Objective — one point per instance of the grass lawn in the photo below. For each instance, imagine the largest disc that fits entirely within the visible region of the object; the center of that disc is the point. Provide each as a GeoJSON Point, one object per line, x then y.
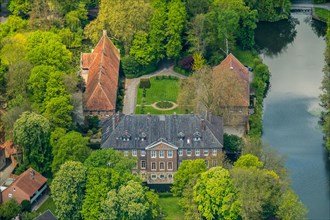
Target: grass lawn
{"type": "Point", "coordinates": [322, 13]}
{"type": "Point", "coordinates": [162, 89]}
{"type": "Point", "coordinates": [48, 204]}
{"type": "Point", "coordinates": [246, 57]}
{"type": "Point", "coordinates": [170, 206]}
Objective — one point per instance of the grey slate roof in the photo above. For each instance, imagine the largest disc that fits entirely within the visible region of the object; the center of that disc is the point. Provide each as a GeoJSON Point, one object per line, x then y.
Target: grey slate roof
{"type": "Point", "coordinates": [47, 215]}
{"type": "Point", "coordinates": [184, 131]}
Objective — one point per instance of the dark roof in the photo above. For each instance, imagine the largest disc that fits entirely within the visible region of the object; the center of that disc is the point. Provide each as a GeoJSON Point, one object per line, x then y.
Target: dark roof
{"type": "Point", "coordinates": [29, 182]}
{"type": "Point", "coordinates": [103, 72]}
{"type": "Point", "coordinates": [232, 65]}
{"type": "Point", "coordinates": [183, 131]}
{"type": "Point", "coordinates": [47, 215]}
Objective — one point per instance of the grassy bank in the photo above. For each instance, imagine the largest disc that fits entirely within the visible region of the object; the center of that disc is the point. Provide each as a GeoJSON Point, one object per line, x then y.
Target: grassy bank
{"type": "Point", "coordinates": [321, 14]}
{"type": "Point", "coordinates": [169, 206]}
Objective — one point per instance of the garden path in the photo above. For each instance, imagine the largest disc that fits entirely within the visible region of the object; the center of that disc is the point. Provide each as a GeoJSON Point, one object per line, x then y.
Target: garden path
{"type": "Point", "coordinates": [131, 87]}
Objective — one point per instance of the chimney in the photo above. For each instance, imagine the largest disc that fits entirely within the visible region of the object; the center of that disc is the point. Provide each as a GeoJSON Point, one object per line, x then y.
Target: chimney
{"type": "Point", "coordinates": [32, 174]}
{"type": "Point", "coordinates": [113, 122]}
{"type": "Point", "coordinates": [203, 126]}
{"type": "Point", "coordinates": [104, 32]}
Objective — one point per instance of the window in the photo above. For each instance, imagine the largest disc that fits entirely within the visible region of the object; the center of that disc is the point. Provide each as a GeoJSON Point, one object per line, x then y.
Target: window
{"type": "Point", "coordinates": [10, 195]}
{"type": "Point", "coordinates": [170, 166]}
{"type": "Point", "coordinates": [153, 176]}
{"type": "Point", "coordinates": [143, 164]}
{"type": "Point", "coordinates": [161, 154]}
{"type": "Point", "coordinates": [197, 152]}
{"type": "Point", "coordinates": [206, 152]}
{"type": "Point", "coordinates": [153, 166]}
{"type": "Point", "coordinates": [134, 153]}
{"type": "Point", "coordinates": [153, 154]}
{"type": "Point", "coordinates": [188, 152]}
{"type": "Point", "coordinates": [161, 176]}
{"type": "Point", "coordinates": [161, 166]}
{"type": "Point", "coordinates": [170, 176]}
{"type": "Point", "coordinates": [143, 153]}
{"type": "Point", "coordinates": [207, 163]}
{"type": "Point", "coordinates": [180, 152]}
{"type": "Point", "coordinates": [214, 152]}
{"type": "Point", "coordinates": [169, 154]}
{"type": "Point", "coordinates": [126, 153]}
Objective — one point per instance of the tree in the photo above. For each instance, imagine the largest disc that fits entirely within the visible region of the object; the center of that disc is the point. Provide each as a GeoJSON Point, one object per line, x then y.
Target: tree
{"type": "Point", "coordinates": [176, 20]}
{"type": "Point", "coordinates": [99, 182]}
{"type": "Point", "coordinates": [12, 25]}
{"type": "Point", "coordinates": [13, 49]}
{"type": "Point", "coordinates": [32, 131]}
{"type": "Point", "coordinates": [123, 18]}
{"type": "Point", "coordinates": [109, 158]}
{"type": "Point", "coordinates": [248, 161]}
{"type": "Point", "coordinates": [291, 207]}
{"type": "Point", "coordinates": [141, 50]}
{"type": "Point", "coordinates": [232, 143]}
{"type": "Point", "coordinates": [198, 61]}
{"type": "Point", "coordinates": [9, 210]}
{"type": "Point", "coordinates": [37, 84]}
{"type": "Point", "coordinates": [45, 48]}
{"type": "Point", "coordinates": [216, 196]}
{"type": "Point", "coordinates": [19, 7]}
{"type": "Point", "coordinates": [58, 110]}
{"type": "Point", "coordinates": [71, 146]}
{"type": "Point", "coordinates": [197, 7]}
{"type": "Point", "coordinates": [128, 203]}
{"type": "Point", "coordinates": [187, 170]}
{"type": "Point", "coordinates": [197, 34]}
{"type": "Point", "coordinates": [68, 189]}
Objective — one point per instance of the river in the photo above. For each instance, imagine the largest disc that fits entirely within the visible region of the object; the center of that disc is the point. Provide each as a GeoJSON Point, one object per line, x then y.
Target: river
{"type": "Point", "coordinates": [293, 51]}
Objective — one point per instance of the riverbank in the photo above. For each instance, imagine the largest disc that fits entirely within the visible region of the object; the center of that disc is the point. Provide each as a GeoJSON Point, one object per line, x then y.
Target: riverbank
{"type": "Point", "coordinates": [321, 14]}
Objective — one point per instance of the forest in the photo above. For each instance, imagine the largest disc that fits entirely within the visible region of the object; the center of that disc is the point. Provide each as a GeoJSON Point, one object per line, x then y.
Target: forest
{"type": "Point", "coordinates": [41, 90]}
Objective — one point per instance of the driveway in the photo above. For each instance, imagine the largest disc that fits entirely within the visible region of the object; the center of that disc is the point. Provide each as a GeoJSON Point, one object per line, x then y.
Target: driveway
{"type": "Point", "coordinates": [131, 87]}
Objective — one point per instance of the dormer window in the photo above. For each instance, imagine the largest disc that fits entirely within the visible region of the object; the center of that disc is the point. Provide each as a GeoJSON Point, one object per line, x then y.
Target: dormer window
{"type": "Point", "coordinates": [197, 136]}
{"type": "Point", "coordinates": [142, 136]}
{"type": "Point", "coordinates": [126, 136]}
{"type": "Point", "coordinates": [181, 136]}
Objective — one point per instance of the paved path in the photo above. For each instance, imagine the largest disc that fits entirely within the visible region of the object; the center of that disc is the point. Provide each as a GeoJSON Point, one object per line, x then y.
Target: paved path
{"type": "Point", "coordinates": [131, 87]}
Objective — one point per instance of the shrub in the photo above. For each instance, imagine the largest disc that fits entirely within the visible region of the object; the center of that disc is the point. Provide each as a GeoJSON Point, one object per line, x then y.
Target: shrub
{"type": "Point", "coordinates": [145, 83]}
{"type": "Point", "coordinates": [186, 63]}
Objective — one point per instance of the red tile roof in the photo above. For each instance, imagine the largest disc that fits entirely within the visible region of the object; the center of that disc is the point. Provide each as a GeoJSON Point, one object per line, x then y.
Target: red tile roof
{"type": "Point", "coordinates": [30, 181]}
{"type": "Point", "coordinates": [232, 65]}
{"type": "Point", "coordinates": [103, 72]}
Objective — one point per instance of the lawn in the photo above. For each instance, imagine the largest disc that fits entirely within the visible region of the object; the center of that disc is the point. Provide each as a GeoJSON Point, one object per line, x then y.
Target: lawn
{"type": "Point", "coordinates": [162, 88]}
{"type": "Point", "coordinates": [48, 204]}
{"type": "Point", "coordinates": [322, 14]}
{"type": "Point", "coordinates": [170, 207]}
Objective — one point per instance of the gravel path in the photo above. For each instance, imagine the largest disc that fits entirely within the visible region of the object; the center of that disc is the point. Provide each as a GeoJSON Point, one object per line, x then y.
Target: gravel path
{"type": "Point", "coordinates": [131, 86]}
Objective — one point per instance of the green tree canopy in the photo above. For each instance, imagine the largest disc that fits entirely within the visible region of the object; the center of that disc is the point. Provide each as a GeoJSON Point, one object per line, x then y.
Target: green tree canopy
{"type": "Point", "coordinates": [187, 170]}
{"type": "Point", "coordinates": [45, 48]}
{"type": "Point", "coordinates": [68, 189]}
{"type": "Point", "coordinates": [71, 146]}
{"type": "Point", "coordinates": [9, 210]}
{"type": "Point", "coordinates": [216, 196]}
{"type": "Point", "coordinates": [32, 131]}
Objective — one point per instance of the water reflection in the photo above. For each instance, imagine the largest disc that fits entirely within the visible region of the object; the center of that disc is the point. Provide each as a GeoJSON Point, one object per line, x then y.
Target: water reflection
{"type": "Point", "coordinates": [273, 38]}
{"type": "Point", "coordinates": [319, 28]}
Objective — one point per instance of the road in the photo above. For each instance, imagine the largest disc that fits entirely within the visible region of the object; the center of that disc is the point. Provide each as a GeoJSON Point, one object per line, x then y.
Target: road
{"type": "Point", "coordinates": [131, 87]}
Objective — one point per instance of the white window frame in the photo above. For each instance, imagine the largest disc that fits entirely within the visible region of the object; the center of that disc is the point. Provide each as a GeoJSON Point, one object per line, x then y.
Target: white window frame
{"type": "Point", "coordinates": [188, 154]}
{"type": "Point", "coordinates": [145, 164]}
{"type": "Point", "coordinates": [168, 167]}
{"type": "Point", "coordinates": [153, 154]}
{"type": "Point", "coordinates": [197, 152]}
{"type": "Point", "coordinates": [155, 165]}
{"type": "Point", "coordinates": [134, 152]}
{"type": "Point", "coordinates": [170, 176]}
{"type": "Point", "coordinates": [169, 154]}
{"type": "Point", "coordinates": [214, 152]}
{"type": "Point", "coordinates": [180, 152]}
{"type": "Point", "coordinates": [206, 152]}
{"type": "Point", "coordinates": [160, 168]}
{"type": "Point", "coordinates": [126, 153]}
{"type": "Point", "coordinates": [143, 153]}
{"type": "Point", "coordinates": [161, 154]}
{"type": "Point", "coordinates": [160, 176]}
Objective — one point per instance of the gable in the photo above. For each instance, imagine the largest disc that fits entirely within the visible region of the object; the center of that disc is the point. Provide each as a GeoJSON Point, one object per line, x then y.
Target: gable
{"type": "Point", "coordinates": [161, 145]}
